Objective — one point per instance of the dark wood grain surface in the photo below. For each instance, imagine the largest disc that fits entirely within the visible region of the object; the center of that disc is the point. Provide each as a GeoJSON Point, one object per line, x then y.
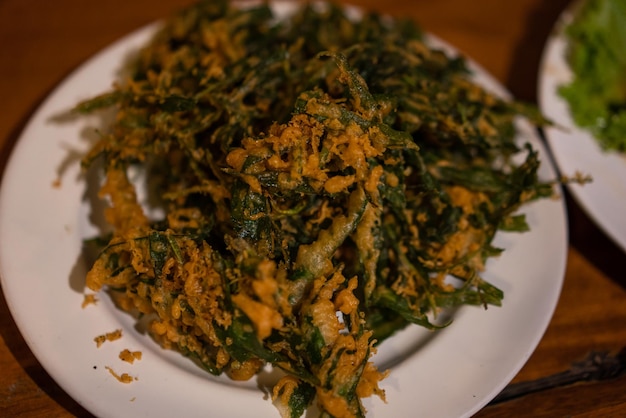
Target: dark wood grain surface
{"type": "Point", "coordinates": [42, 41]}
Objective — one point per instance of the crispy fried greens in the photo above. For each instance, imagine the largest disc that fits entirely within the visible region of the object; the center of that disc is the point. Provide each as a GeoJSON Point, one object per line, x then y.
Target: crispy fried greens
{"type": "Point", "coordinates": [320, 178]}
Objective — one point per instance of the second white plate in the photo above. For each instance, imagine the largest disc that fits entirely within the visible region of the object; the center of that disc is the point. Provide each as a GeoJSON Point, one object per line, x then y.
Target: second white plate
{"type": "Point", "coordinates": [576, 150]}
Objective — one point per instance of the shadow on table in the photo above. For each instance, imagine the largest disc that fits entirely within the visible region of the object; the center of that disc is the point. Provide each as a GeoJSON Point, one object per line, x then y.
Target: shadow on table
{"type": "Point", "coordinates": [522, 80]}
{"type": "Point", "coordinates": [596, 246]}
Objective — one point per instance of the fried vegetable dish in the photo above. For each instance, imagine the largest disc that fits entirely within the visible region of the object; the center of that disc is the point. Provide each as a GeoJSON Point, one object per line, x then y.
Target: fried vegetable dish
{"type": "Point", "coordinates": [324, 182]}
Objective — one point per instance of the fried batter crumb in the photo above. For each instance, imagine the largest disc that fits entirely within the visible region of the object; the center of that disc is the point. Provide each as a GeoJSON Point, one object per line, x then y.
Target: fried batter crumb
{"type": "Point", "coordinates": [130, 356]}
{"type": "Point", "coordinates": [90, 299]}
{"type": "Point", "coordinates": [109, 336]}
{"type": "Point", "coordinates": [123, 378]}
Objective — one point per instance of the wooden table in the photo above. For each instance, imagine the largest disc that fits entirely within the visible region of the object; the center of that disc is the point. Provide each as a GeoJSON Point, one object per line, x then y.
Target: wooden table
{"type": "Point", "coordinates": [41, 41]}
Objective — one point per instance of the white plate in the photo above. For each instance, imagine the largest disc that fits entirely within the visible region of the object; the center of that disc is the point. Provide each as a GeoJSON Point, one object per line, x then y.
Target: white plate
{"type": "Point", "coordinates": [452, 373]}
{"type": "Point", "coordinates": [576, 150]}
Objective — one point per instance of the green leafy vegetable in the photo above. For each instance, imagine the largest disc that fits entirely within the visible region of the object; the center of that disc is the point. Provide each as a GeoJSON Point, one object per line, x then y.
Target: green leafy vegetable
{"type": "Point", "coordinates": [597, 56]}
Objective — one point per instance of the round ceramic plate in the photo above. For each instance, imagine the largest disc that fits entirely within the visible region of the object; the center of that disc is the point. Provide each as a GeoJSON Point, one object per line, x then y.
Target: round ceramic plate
{"type": "Point", "coordinates": [576, 150]}
{"type": "Point", "coordinates": [46, 212]}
